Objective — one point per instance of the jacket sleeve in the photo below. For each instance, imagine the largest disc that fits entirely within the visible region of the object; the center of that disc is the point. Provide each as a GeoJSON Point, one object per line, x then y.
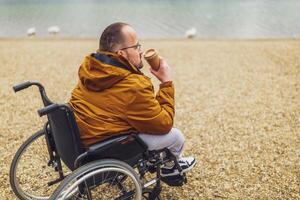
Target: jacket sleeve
{"type": "Point", "coordinates": [149, 113]}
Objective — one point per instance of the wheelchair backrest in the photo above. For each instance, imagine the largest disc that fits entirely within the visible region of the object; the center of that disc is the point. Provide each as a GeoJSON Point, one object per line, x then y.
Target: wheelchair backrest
{"type": "Point", "coordinates": [65, 134]}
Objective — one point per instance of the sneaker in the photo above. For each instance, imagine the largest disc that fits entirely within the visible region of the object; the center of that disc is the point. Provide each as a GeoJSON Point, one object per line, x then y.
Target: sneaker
{"type": "Point", "coordinates": [186, 163]}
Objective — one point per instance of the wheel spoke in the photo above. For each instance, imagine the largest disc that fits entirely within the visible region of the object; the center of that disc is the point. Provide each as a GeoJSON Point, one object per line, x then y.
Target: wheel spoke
{"type": "Point", "coordinates": [102, 180]}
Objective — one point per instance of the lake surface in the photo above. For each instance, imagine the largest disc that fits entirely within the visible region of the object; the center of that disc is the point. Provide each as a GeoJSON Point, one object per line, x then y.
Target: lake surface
{"type": "Point", "coordinates": [154, 19]}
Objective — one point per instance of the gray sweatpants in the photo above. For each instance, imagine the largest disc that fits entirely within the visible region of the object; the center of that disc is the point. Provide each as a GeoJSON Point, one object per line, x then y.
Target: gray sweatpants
{"type": "Point", "coordinates": [174, 141]}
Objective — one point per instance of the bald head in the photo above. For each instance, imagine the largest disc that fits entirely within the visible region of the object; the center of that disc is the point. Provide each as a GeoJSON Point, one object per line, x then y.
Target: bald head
{"type": "Point", "coordinates": [113, 37]}
{"type": "Point", "coordinates": [121, 38]}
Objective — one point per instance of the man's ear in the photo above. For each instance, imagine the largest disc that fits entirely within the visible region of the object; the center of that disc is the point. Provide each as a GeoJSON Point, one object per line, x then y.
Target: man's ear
{"type": "Point", "coordinates": [119, 52]}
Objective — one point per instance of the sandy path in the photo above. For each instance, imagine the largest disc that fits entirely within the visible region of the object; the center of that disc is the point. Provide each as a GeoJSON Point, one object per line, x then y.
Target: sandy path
{"type": "Point", "coordinates": [238, 103]}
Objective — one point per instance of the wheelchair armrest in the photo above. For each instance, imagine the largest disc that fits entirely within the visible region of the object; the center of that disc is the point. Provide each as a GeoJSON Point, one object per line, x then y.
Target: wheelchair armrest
{"type": "Point", "coordinates": [120, 147]}
{"type": "Point", "coordinates": [115, 139]}
{"type": "Point", "coordinates": [95, 147]}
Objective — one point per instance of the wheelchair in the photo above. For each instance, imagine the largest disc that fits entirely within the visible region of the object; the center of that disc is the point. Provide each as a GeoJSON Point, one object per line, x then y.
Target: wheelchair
{"type": "Point", "coordinates": [120, 167]}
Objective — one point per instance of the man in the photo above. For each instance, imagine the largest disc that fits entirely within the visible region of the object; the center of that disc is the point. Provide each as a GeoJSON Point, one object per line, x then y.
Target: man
{"type": "Point", "coordinates": [114, 97]}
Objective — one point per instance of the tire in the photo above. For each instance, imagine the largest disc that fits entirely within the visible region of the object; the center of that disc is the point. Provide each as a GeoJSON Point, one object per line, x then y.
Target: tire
{"type": "Point", "coordinates": [29, 172]}
{"type": "Point", "coordinates": [102, 179]}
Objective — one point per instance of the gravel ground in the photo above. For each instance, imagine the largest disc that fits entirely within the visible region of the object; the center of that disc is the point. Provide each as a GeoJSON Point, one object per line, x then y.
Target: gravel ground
{"type": "Point", "coordinates": [237, 102]}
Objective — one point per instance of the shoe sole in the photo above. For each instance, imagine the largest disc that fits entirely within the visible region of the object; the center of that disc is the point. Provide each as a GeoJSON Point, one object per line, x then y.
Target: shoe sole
{"type": "Point", "coordinates": [177, 172]}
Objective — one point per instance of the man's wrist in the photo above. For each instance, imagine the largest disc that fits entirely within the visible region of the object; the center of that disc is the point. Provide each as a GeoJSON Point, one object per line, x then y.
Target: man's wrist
{"type": "Point", "coordinates": [167, 83]}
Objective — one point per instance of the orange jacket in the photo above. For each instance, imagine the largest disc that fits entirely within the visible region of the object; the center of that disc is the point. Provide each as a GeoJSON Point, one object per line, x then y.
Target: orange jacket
{"type": "Point", "coordinates": [110, 100]}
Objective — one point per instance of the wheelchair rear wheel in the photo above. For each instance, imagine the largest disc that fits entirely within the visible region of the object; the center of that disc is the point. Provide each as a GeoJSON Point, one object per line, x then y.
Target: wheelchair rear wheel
{"type": "Point", "coordinates": [29, 171]}
{"type": "Point", "coordinates": [102, 179]}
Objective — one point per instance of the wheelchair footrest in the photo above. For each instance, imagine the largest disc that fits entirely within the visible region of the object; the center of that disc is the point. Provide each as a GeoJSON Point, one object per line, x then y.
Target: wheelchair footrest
{"type": "Point", "coordinates": [177, 180]}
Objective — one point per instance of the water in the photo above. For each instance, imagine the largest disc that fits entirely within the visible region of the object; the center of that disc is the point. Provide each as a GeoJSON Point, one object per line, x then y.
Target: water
{"type": "Point", "coordinates": [154, 19]}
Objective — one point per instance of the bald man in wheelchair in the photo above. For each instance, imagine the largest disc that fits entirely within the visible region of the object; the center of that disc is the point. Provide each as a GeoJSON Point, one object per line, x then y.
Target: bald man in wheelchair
{"type": "Point", "coordinates": [114, 97]}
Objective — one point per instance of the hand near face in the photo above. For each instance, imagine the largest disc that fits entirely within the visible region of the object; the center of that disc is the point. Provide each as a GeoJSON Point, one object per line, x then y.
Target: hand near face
{"type": "Point", "coordinates": [163, 73]}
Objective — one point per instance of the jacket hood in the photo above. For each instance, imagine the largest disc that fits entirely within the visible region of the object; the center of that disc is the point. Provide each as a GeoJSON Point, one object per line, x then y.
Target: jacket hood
{"type": "Point", "coordinates": [102, 70]}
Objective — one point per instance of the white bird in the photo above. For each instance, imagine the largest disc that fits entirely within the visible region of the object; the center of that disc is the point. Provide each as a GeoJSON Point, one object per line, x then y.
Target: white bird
{"type": "Point", "coordinates": [191, 33]}
{"type": "Point", "coordinates": [53, 30]}
{"type": "Point", "coordinates": [31, 31]}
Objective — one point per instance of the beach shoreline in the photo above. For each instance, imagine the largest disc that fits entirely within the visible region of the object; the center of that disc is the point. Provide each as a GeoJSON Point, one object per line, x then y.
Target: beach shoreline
{"type": "Point", "coordinates": [62, 38]}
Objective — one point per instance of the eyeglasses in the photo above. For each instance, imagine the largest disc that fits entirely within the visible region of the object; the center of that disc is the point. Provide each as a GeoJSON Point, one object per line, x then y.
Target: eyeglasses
{"type": "Point", "coordinates": [136, 47]}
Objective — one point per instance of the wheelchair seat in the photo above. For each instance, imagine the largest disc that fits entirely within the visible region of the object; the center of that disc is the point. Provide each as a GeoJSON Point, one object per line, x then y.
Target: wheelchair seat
{"type": "Point", "coordinates": [127, 147]}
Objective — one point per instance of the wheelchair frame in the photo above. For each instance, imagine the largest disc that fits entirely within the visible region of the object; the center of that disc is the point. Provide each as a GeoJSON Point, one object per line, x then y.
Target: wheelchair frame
{"type": "Point", "coordinates": [147, 161]}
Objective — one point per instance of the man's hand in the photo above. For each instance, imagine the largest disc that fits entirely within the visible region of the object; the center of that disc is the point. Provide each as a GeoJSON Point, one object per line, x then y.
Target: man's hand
{"type": "Point", "coordinates": [163, 73]}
